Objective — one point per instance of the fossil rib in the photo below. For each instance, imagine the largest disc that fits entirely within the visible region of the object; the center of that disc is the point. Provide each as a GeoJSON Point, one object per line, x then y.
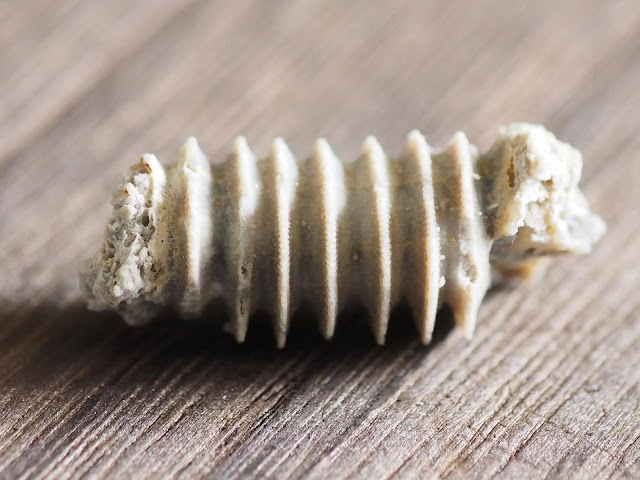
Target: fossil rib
{"type": "Point", "coordinates": [421, 228]}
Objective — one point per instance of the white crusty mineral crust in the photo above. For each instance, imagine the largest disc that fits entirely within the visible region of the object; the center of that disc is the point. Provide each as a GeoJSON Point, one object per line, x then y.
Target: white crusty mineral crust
{"type": "Point", "coordinates": [536, 205]}
{"type": "Point", "coordinates": [421, 229]}
{"type": "Point", "coordinates": [124, 270]}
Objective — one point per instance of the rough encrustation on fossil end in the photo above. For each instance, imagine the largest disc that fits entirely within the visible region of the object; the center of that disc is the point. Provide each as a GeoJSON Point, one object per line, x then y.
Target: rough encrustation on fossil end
{"type": "Point", "coordinates": [421, 228]}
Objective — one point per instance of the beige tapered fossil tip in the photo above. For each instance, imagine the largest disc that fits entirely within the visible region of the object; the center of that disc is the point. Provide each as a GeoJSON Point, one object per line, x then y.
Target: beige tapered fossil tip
{"type": "Point", "coordinates": [422, 228]}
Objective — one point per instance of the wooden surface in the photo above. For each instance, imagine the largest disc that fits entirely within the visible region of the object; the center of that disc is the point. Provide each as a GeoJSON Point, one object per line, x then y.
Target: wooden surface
{"type": "Point", "coordinates": [549, 385]}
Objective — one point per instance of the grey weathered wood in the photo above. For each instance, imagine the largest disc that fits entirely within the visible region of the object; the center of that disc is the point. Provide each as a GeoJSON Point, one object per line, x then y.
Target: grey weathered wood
{"type": "Point", "coordinates": [549, 386]}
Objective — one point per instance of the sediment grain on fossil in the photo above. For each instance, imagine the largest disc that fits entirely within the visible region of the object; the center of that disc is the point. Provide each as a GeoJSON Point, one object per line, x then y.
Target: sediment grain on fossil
{"type": "Point", "coordinates": [422, 228]}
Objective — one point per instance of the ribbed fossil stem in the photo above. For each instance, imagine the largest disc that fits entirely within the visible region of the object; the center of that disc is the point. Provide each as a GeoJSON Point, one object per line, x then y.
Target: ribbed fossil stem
{"type": "Point", "coordinates": [324, 247]}
{"type": "Point", "coordinates": [237, 213]}
{"type": "Point", "coordinates": [420, 269]}
{"type": "Point", "coordinates": [268, 234]}
{"type": "Point", "coordinates": [467, 254]}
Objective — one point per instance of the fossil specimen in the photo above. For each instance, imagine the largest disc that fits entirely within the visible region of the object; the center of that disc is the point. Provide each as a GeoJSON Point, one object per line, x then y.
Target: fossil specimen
{"type": "Point", "coordinates": [422, 228]}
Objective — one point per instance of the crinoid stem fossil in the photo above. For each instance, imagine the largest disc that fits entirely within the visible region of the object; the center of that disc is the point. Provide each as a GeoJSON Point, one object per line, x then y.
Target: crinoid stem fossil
{"type": "Point", "coordinates": [422, 228]}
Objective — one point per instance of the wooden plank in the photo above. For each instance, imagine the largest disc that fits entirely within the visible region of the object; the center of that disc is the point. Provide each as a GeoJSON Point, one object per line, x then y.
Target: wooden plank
{"type": "Point", "coordinates": [54, 52]}
{"type": "Point", "coordinates": [547, 387]}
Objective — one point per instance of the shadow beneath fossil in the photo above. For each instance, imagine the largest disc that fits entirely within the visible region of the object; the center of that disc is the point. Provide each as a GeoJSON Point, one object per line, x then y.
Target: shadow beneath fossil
{"type": "Point", "coordinates": [67, 372]}
{"type": "Point", "coordinates": [39, 343]}
{"type": "Point", "coordinates": [50, 339]}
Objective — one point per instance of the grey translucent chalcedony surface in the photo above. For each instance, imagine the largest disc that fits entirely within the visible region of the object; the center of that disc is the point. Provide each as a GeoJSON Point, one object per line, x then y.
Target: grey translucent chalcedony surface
{"type": "Point", "coordinates": [422, 228]}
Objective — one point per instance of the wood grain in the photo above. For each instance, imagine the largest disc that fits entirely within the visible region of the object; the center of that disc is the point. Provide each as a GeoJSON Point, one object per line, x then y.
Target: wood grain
{"type": "Point", "coordinates": [549, 385]}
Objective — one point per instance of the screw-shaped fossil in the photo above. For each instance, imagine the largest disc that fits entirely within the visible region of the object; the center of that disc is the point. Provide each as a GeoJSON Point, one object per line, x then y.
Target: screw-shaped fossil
{"type": "Point", "coordinates": [421, 228]}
